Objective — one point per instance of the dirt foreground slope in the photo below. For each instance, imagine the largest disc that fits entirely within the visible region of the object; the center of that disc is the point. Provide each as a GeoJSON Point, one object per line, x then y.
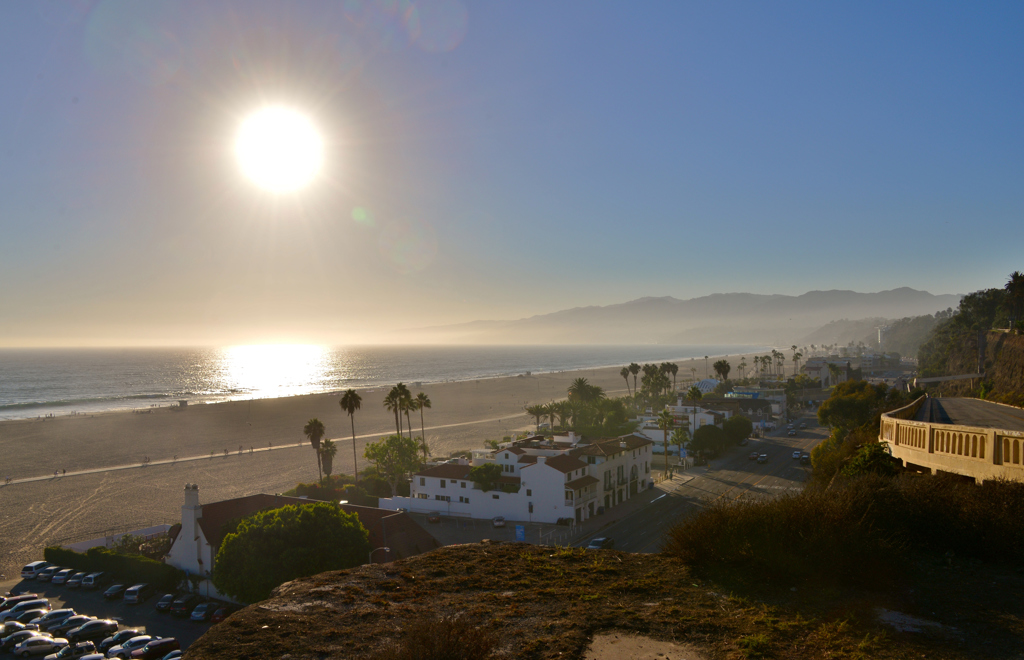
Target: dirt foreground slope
{"type": "Point", "coordinates": [546, 602]}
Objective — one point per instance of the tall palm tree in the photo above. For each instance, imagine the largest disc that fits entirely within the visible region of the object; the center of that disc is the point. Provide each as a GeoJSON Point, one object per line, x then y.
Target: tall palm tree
{"type": "Point", "coordinates": [422, 401]}
{"type": "Point", "coordinates": [350, 402]}
{"type": "Point", "coordinates": [679, 438]}
{"type": "Point", "coordinates": [673, 369]}
{"type": "Point", "coordinates": [796, 362]}
{"type": "Point", "coordinates": [665, 423]}
{"type": "Point", "coordinates": [393, 404]}
{"type": "Point", "coordinates": [694, 395]}
{"type": "Point", "coordinates": [624, 372]}
{"type": "Point", "coordinates": [314, 430]}
{"type": "Point", "coordinates": [743, 368]}
{"type": "Point", "coordinates": [1015, 297]}
{"type": "Point", "coordinates": [328, 450]}
{"type": "Point", "coordinates": [634, 369]}
{"type": "Point", "coordinates": [795, 358]}
{"type": "Point", "coordinates": [551, 410]}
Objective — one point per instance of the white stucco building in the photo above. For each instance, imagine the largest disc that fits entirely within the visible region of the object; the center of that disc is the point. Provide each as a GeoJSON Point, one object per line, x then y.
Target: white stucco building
{"type": "Point", "coordinates": [542, 480]}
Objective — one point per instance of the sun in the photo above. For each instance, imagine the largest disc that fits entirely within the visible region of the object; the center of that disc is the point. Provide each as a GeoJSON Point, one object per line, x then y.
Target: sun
{"type": "Point", "coordinates": [279, 149]}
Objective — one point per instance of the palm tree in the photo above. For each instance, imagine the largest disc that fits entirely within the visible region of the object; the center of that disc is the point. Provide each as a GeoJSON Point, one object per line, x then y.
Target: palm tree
{"type": "Point", "coordinates": [538, 411]}
{"type": "Point", "coordinates": [314, 430]}
{"type": "Point", "coordinates": [551, 410]}
{"type": "Point", "coordinates": [694, 395]}
{"type": "Point", "coordinates": [743, 368]}
{"type": "Point", "coordinates": [679, 438]}
{"type": "Point", "coordinates": [624, 372]}
{"type": "Point", "coordinates": [722, 368]}
{"type": "Point", "coordinates": [673, 369]}
{"type": "Point", "coordinates": [393, 403]}
{"type": "Point", "coordinates": [795, 358]}
{"type": "Point", "coordinates": [665, 423]}
{"type": "Point", "coordinates": [327, 452]}
{"type": "Point", "coordinates": [350, 402]}
{"type": "Point", "coordinates": [420, 402]}
{"type": "Point", "coordinates": [634, 369]}
{"type": "Point", "coordinates": [796, 362]}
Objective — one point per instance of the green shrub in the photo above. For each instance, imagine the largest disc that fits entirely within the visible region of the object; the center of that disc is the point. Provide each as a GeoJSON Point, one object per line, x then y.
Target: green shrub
{"type": "Point", "coordinates": [129, 568]}
{"type": "Point", "coordinates": [861, 530]}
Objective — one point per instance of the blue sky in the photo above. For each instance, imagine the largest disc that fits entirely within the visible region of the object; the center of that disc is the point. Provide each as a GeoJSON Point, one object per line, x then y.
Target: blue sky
{"type": "Point", "coordinates": [492, 160]}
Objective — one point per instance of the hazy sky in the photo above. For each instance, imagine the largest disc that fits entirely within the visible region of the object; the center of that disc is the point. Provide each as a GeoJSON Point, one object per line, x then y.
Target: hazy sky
{"type": "Point", "coordinates": [489, 160]}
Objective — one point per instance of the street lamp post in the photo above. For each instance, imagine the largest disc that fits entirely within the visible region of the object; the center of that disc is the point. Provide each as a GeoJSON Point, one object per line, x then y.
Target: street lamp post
{"type": "Point", "coordinates": [375, 550]}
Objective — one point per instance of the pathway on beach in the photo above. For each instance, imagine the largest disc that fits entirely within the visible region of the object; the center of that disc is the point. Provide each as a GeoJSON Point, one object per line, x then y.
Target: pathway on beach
{"type": "Point", "coordinates": [211, 456]}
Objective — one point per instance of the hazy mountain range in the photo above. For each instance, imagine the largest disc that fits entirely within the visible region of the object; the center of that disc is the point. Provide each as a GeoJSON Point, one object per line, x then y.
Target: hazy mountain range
{"type": "Point", "coordinates": [723, 318]}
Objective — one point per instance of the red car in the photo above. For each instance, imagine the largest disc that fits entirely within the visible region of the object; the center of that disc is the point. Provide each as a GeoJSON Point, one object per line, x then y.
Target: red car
{"type": "Point", "coordinates": [156, 648]}
{"type": "Point", "coordinates": [221, 614]}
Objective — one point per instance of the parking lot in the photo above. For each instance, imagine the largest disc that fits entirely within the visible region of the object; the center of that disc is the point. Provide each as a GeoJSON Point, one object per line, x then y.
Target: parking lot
{"type": "Point", "coordinates": [91, 602]}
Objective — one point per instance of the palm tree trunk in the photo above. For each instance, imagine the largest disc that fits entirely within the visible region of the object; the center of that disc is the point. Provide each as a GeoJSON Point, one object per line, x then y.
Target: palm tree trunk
{"type": "Point", "coordinates": [423, 435]}
{"type": "Point", "coordinates": [355, 461]}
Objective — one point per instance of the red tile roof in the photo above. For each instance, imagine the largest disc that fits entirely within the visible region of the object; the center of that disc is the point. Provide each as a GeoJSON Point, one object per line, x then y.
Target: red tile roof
{"type": "Point", "coordinates": [582, 482]}
{"type": "Point", "coordinates": [565, 463]}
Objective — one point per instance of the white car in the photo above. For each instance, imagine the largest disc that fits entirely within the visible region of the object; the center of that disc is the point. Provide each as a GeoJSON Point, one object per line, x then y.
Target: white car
{"type": "Point", "coordinates": [39, 646]}
{"type": "Point", "coordinates": [498, 521]}
{"type": "Point", "coordinates": [124, 651]}
{"type": "Point", "coordinates": [796, 455]}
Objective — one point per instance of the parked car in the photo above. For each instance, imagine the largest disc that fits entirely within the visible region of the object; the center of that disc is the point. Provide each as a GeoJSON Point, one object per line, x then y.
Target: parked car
{"type": "Point", "coordinates": [805, 459]}
{"type": "Point", "coordinates": [61, 576]}
{"type": "Point", "coordinates": [17, 637]}
{"type": "Point", "coordinates": [434, 517]}
{"type": "Point", "coordinates": [118, 638]}
{"type": "Point", "coordinates": [28, 616]}
{"type": "Point", "coordinates": [498, 521]}
{"type": "Point", "coordinates": [173, 655]}
{"type": "Point", "coordinates": [12, 627]}
{"type": "Point", "coordinates": [97, 580]}
{"type": "Point", "coordinates": [39, 646]}
{"type": "Point", "coordinates": [93, 631]}
{"type": "Point", "coordinates": [54, 617]}
{"type": "Point", "coordinates": [601, 543]}
{"type": "Point", "coordinates": [47, 573]}
{"type": "Point", "coordinates": [11, 601]}
{"type": "Point", "coordinates": [221, 614]}
{"type": "Point", "coordinates": [73, 650]}
{"type": "Point", "coordinates": [796, 455]}
{"type": "Point", "coordinates": [803, 425]}
{"type": "Point", "coordinates": [156, 649]}
{"type": "Point", "coordinates": [138, 594]}
{"type": "Point", "coordinates": [32, 571]}
{"type": "Point", "coordinates": [753, 456]}
{"type": "Point", "coordinates": [70, 623]}
{"type": "Point", "coordinates": [165, 602]}
{"type": "Point", "coordinates": [763, 458]}
{"type": "Point", "coordinates": [75, 580]}
{"type": "Point", "coordinates": [115, 591]}
{"type": "Point", "coordinates": [184, 604]}
{"type": "Point", "coordinates": [203, 611]}
{"type": "Point", "coordinates": [124, 651]}
{"type": "Point", "coordinates": [25, 606]}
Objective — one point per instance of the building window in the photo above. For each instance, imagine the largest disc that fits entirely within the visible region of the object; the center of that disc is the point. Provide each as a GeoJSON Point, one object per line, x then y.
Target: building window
{"type": "Point", "coordinates": [531, 507]}
{"type": "Point", "coordinates": [506, 456]}
{"type": "Point", "coordinates": [464, 500]}
{"type": "Point", "coordinates": [568, 495]}
{"type": "Point", "coordinates": [442, 483]}
{"type": "Point", "coordinates": [463, 484]}
{"type": "Point", "coordinates": [423, 481]}
{"type": "Point", "coordinates": [494, 497]}
{"type": "Point", "coordinates": [529, 493]}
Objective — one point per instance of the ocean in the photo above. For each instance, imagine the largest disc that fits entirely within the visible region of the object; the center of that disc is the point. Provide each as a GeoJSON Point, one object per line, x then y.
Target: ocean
{"type": "Point", "coordinates": [39, 382]}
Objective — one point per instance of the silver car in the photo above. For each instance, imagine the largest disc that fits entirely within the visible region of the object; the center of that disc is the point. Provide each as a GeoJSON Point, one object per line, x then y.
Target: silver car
{"type": "Point", "coordinates": [39, 646]}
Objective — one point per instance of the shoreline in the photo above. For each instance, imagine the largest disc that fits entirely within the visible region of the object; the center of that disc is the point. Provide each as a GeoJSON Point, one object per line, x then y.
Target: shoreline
{"type": "Point", "coordinates": [56, 409]}
{"type": "Point", "coordinates": [106, 488]}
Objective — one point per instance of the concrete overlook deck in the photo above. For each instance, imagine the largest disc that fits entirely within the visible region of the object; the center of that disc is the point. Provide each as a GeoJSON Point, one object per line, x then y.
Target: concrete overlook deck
{"type": "Point", "coordinates": [969, 437]}
{"type": "Point", "coordinates": [970, 412]}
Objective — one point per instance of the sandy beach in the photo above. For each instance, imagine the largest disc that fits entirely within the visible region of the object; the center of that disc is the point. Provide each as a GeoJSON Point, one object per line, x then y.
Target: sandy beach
{"type": "Point", "coordinates": [108, 490]}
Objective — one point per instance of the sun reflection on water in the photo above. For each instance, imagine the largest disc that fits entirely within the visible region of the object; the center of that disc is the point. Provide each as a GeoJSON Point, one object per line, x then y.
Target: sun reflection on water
{"type": "Point", "coordinates": [274, 370]}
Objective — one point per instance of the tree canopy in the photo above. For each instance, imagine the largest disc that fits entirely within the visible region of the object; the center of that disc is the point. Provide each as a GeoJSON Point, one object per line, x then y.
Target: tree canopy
{"type": "Point", "coordinates": [708, 439]}
{"type": "Point", "coordinates": [737, 428]}
{"type": "Point", "coordinates": [394, 457]}
{"type": "Point", "coordinates": [486, 476]}
{"type": "Point", "coordinates": [272, 547]}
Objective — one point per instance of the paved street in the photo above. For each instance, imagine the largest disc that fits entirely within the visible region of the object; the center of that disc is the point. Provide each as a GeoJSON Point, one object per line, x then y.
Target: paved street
{"type": "Point", "coordinates": [638, 524]}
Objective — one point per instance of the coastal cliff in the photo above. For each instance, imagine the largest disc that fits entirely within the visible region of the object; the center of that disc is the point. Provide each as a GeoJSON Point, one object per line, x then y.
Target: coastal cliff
{"type": "Point", "coordinates": [1003, 364]}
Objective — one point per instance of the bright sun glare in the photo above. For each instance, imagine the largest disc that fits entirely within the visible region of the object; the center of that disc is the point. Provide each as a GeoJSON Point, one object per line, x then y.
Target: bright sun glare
{"type": "Point", "coordinates": [279, 149]}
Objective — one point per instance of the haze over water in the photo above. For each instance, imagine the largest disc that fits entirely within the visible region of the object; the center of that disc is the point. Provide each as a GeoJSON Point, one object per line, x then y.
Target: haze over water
{"type": "Point", "coordinates": [36, 382]}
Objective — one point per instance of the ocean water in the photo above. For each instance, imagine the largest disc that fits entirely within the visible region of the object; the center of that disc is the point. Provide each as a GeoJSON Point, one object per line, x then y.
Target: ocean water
{"type": "Point", "coordinates": [36, 382]}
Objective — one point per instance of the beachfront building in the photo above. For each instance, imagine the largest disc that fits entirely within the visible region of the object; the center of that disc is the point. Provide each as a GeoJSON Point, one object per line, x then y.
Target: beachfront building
{"type": "Point", "coordinates": [543, 480]}
{"type": "Point", "coordinates": [194, 548]}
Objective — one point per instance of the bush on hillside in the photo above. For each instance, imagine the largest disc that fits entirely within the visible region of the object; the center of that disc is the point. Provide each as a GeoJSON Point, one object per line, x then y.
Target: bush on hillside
{"type": "Point", "coordinates": [862, 530]}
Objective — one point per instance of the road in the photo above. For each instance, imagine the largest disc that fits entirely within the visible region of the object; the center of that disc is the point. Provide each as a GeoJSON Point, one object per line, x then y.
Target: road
{"type": "Point", "coordinates": [730, 478]}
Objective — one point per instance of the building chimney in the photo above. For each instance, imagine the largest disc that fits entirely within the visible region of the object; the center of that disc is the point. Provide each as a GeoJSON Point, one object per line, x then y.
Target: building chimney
{"type": "Point", "coordinates": [191, 495]}
{"type": "Point", "coordinates": [541, 460]}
